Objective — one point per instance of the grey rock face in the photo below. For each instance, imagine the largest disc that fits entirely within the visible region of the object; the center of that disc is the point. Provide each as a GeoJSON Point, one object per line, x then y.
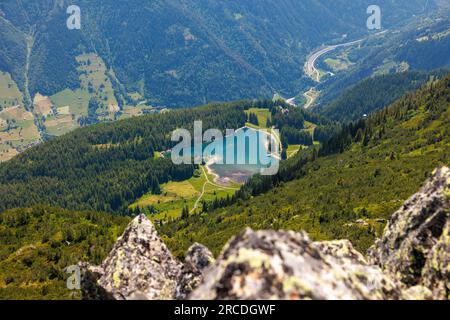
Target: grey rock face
{"type": "Point", "coordinates": [198, 259]}
{"type": "Point", "coordinates": [341, 249]}
{"type": "Point", "coordinates": [139, 267]}
{"type": "Point", "coordinates": [288, 265]}
{"type": "Point", "coordinates": [90, 288]}
{"type": "Point", "coordinates": [415, 247]}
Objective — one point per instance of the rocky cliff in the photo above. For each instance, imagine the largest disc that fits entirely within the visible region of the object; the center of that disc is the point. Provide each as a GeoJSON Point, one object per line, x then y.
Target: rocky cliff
{"type": "Point", "coordinates": [410, 261]}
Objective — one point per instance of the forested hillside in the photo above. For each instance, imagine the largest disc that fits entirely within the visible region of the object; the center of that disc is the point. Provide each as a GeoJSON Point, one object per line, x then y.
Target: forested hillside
{"type": "Point", "coordinates": [373, 94]}
{"type": "Point", "coordinates": [349, 189]}
{"type": "Point", "coordinates": [180, 53]}
{"type": "Point", "coordinates": [139, 57]}
{"type": "Point", "coordinates": [38, 244]}
{"type": "Point", "coordinates": [422, 44]}
{"type": "Point", "coordinates": [104, 167]}
{"type": "Point", "coordinates": [346, 188]}
{"type": "Point", "coordinates": [87, 117]}
{"type": "Point", "coordinates": [107, 167]}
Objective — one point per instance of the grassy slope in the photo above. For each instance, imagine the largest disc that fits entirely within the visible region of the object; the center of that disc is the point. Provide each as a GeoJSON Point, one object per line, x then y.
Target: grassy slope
{"type": "Point", "coordinates": [9, 92]}
{"type": "Point", "coordinates": [372, 94]}
{"type": "Point", "coordinates": [262, 114]}
{"type": "Point", "coordinates": [92, 73]}
{"type": "Point", "coordinates": [348, 195]}
{"type": "Point", "coordinates": [177, 195]}
{"type": "Point", "coordinates": [39, 244]}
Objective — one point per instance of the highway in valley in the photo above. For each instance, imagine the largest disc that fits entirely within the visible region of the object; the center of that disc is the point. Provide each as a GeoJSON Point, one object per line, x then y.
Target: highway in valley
{"type": "Point", "coordinates": [310, 68]}
{"type": "Point", "coordinates": [311, 71]}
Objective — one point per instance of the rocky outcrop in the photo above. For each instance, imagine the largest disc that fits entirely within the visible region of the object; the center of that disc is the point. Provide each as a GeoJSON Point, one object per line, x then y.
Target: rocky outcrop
{"type": "Point", "coordinates": [410, 261]}
{"type": "Point", "coordinates": [139, 267]}
{"type": "Point", "coordinates": [288, 265]}
{"type": "Point", "coordinates": [90, 288]}
{"type": "Point", "coordinates": [415, 247]}
{"type": "Point", "coordinates": [198, 259]}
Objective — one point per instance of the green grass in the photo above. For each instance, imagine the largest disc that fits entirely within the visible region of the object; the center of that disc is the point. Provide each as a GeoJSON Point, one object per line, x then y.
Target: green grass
{"type": "Point", "coordinates": [9, 92]}
{"type": "Point", "coordinates": [93, 72]}
{"type": "Point", "coordinates": [310, 127]}
{"type": "Point", "coordinates": [177, 195]}
{"type": "Point", "coordinates": [293, 149]}
{"type": "Point", "coordinates": [61, 125]}
{"type": "Point", "coordinates": [20, 133]}
{"type": "Point", "coordinates": [262, 114]}
{"type": "Point", "coordinates": [38, 244]}
{"type": "Point", "coordinates": [77, 101]}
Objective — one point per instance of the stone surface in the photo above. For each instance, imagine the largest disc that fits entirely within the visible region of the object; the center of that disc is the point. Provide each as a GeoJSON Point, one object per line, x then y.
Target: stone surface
{"type": "Point", "coordinates": [198, 259]}
{"type": "Point", "coordinates": [341, 249]}
{"type": "Point", "coordinates": [288, 265]}
{"type": "Point", "coordinates": [90, 288]}
{"type": "Point", "coordinates": [415, 247]}
{"type": "Point", "coordinates": [139, 267]}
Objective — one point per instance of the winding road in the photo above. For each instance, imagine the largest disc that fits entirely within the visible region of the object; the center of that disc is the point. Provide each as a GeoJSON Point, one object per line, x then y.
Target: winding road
{"type": "Point", "coordinates": [204, 189]}
{"type": "Point", "coordinates": [311, 96]}
{"type": "Point", "coordinates": [311, 71]}
{"type": "Point", "coordinates": [310, 68]}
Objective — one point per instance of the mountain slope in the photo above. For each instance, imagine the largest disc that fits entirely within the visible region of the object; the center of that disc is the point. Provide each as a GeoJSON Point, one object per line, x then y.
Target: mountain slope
{"type": "Point", "coordinates": [184, 52]}
{"type": "Point", "coordinates": [108, 166]}
{"type": "Point", "coordinates": [422, 44]}
{"type": "Point", "coordinates": [344, 195]}
{"type": "Point", "coordinates": [38, 245]}
{"type": "Point", "coordinates": [373, 94]}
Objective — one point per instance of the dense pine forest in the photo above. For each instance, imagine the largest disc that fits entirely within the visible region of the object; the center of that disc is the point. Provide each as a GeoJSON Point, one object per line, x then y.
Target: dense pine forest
{"type": "Point", "coordinates": [375, 93]}
{"type": "Point", "coordinates": [107, 166]}
{"type": "Point", "coordinates": [180, 52]}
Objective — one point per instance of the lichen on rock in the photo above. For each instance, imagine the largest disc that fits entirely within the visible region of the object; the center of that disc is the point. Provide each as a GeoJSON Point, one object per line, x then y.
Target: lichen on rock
{"type": "Point", "coordinates": [288, 265]}
{"type": "Point", "coordinates": [139, 267]}
{"type": "Point", "coordinates": [198, 259]}
{"type": "Point", "coordinates": [415, 247]}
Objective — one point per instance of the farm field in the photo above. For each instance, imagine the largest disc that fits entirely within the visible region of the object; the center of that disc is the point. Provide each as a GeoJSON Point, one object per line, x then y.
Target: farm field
{"type": "Point", "coordinates": [134, 111]}
{"type": "Point", "coordinates": [94, 84]}
{"type": "Point", "coordinates": [60, 124]}
{"type": "Point", "coordinates": [7, 152]}
{"type": "Point", "coordinates": [9, 92]}
{"type": "Point", "coordinates": [94, 79]}
{"type": "Point", "coordinates": [77, 101]}
{"type": "Point", "coordinates": [42, 105]}
{"type": "Point", "coordinates": [18, 131]}
{"type": "Point", "coordinates": [17, 127]}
